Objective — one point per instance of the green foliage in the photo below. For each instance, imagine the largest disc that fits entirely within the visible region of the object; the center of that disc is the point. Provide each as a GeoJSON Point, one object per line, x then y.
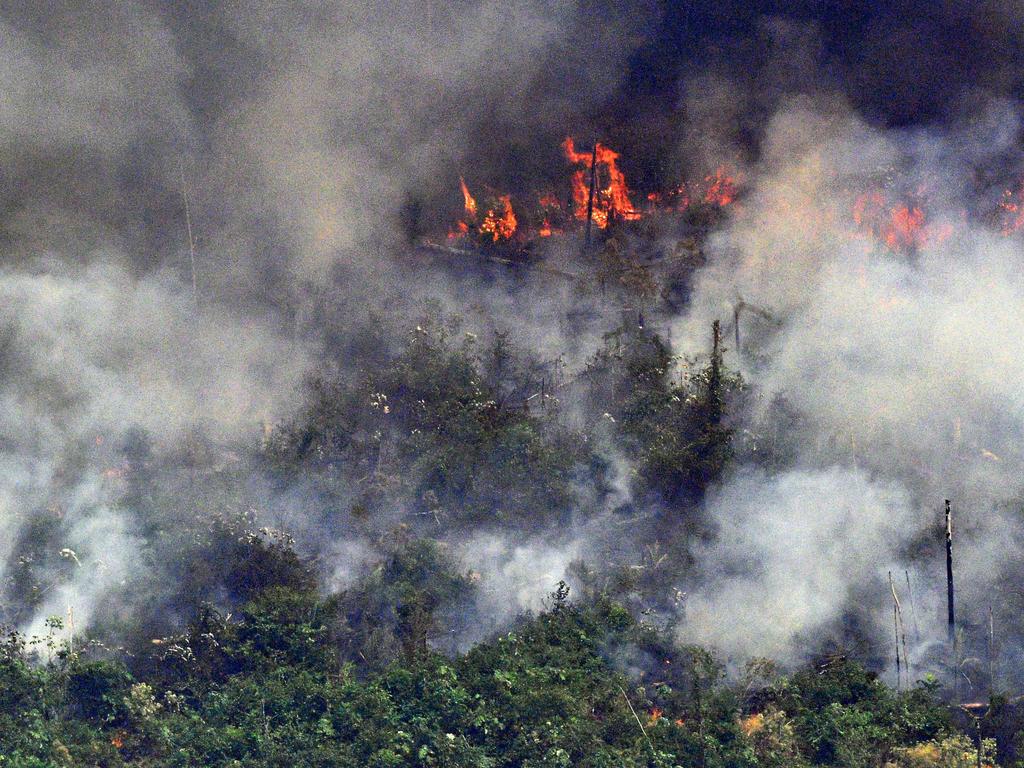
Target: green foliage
{"type": "Point", "coordinates": [96, 691]}
{"type": "Point", "coordinates": [269, 671]}
{"type": "Point", "coordinates": [553, 692]}
{"type": "Point", "coordinates": [844, 715]}
{"type": "Point", "coordinates": [440, 423]}
{"type": "Point", "coordinates": [676, 428]}
{"type": "Point", "coordinates": [394, 607]}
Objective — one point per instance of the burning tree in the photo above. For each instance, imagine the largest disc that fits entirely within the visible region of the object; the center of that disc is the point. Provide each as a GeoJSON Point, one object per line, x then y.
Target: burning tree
{"type": "Point", "coordinates": [610, 198]}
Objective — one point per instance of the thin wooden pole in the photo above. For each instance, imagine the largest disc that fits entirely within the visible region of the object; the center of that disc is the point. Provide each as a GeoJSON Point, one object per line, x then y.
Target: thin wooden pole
{"type": "Point", "coordinates": [191, 239]}
{"type": "Point", "coordinates": [638, 722]}
{"type": "Point", "coordinates": [950, 613]}
{"type": "Point", "coordinates": [913, 610]}
{"type": "Point", "coordinates": [901, 634]}
{"type": "Point", "coordinates": [991, 654]}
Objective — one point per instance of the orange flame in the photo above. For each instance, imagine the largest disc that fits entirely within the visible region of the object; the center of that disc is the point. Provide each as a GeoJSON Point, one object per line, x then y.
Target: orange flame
{"type": "Point", "coordinates": [550, 208]}
{"type": "Point", "coordinates": [497, 226]}
{"type": "Point", "coordinates": [654, 716]}
{"type": "Point", "coordinates": [611, 198]}
{"type": "Point", "coordinates": [468, 202]}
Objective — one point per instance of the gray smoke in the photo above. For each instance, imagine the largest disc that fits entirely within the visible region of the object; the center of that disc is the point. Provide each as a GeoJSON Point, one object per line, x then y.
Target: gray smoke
{"type": "Point", "coordinates": [312, 140]}
{"type": "Point", "coordinates": [292, 139]}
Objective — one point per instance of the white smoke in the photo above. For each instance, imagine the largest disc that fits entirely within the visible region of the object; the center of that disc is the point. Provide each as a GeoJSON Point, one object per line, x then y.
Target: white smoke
{"type": "Point", "coordinates": [902, 368]}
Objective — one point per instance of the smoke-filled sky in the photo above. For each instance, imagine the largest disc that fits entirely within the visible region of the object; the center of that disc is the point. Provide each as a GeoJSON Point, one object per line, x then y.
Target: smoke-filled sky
{"type": "Point", "coordinates": [282, 156]}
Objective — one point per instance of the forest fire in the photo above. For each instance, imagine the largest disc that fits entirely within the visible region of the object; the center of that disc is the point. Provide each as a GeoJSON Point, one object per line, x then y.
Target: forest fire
{"type": "Point", "coordinates": [612, 200]}
{"type": "Point", "coordinates": [899, 222]}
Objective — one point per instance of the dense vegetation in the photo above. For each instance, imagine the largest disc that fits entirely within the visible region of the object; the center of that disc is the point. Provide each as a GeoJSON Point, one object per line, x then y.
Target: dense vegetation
{"type": "Point", "coordinates": [239, 653]}
{"type": "Point", "coordinates": [575, 686]}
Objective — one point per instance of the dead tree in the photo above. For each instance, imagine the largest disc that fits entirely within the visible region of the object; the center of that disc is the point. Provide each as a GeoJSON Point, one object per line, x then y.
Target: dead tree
{"type": "Point", "coordinates": [991, 654]}
{"type": "Point", "coordinates": [901, 634]}
{"type": "Point", "coordinates": [590, 198]}
{"type": "Point", "coordinates": [913, 610]}
{"type": "Point", "coordinates": [742, 306]}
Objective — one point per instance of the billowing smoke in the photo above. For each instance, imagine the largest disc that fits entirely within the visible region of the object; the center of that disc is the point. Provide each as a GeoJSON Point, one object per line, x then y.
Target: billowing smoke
{"type": "Point", "coordinates": [189, 194]}
{"type": "Point", "coordinates": [887, 380]}
{"type": "Point", "coordinates": [202, 204]}
{"type": "Point", "coordinates": [792, 552]}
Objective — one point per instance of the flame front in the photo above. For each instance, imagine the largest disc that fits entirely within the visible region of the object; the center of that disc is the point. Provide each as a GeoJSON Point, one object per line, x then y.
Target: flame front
{"type": "Point", "coordinates": [612, 200]}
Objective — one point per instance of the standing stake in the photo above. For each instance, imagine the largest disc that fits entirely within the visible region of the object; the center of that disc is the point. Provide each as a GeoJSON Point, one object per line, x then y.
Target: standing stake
{"type": "Point", "coordinates": [896, 631]}
{"type": "Point", "coordinates": [991, 654]}
{"type": "Point", "coordinates": [913, 610]}
{"type": "Point", "coordinates": [191, 239]}
{"type": "Point", "coordinates": [950, 614]}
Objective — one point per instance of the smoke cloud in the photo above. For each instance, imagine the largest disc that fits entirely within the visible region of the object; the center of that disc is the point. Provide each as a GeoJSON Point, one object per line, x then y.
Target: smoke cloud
{"type": "Point", "coordinates": [885, 378]}
{"type": "Point", "coordinates": [282, 158]}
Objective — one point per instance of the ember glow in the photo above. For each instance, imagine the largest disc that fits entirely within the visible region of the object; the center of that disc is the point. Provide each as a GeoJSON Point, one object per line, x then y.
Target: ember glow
{"type": "Point", "coordinates": [718, 189]}
{"type": "Point", "coordinates": [500, 225]}
{"type": "Point", "coordinates": [1011, 210]}
{"type": "Point", "coordinates": [901, 226]}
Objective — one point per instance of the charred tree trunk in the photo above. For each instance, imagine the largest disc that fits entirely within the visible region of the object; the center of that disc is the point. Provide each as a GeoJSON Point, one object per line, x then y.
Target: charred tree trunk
{"type": "Point", "coordinates": [736, 325]}
{"type": "Point", "coordinates": [590, 198]}
{"type": "Point", "coordinates": [950, 612]}
{"type": "Point", "coordinates": [716, 404]}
